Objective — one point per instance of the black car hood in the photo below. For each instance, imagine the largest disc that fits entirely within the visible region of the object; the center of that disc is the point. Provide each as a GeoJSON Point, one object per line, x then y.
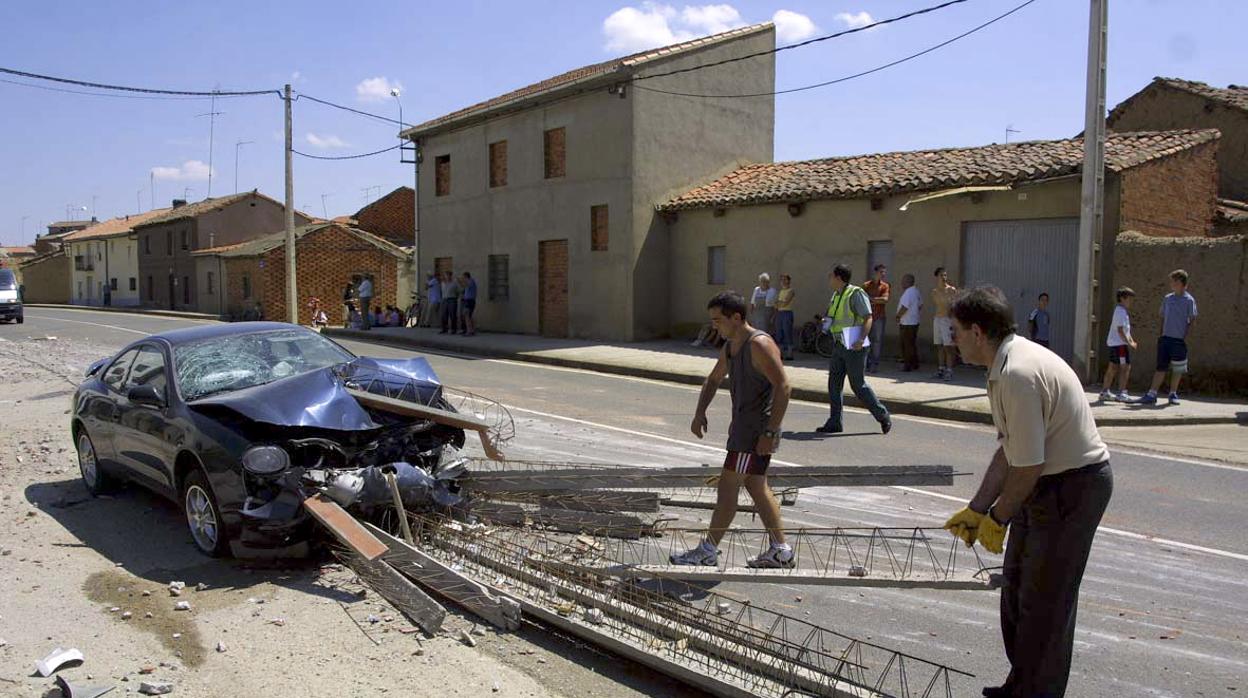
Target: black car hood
{"type": "Point", "coordinates": [319, 398]}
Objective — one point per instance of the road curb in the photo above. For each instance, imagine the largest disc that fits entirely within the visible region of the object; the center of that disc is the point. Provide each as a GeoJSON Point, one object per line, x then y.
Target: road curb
{"type": "Point", "coordinates": [894, 406]}
{"type": "Point", "coordinates": [129, 311]}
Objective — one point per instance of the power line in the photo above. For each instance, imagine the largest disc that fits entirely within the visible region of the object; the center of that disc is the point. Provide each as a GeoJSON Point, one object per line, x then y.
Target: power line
{"type": "Point", "coordinates": [304, 95]}
{"type": "Point", "coordinates": [125, 88]}
{"type": "Point", "coordinates": [846, 78]}
{"type": "Point", "coordinates": [817, 39]}
{"type": "Point", "coordinates": [101, 94]}
{"type": "Point", "coordinates": [347, 157]}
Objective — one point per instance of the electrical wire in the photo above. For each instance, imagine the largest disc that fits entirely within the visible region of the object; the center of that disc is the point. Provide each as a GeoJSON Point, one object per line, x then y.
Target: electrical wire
{"type": "Point", "coordinates": [145, 90]}
{"type": "Point", "coordinates": [807, 42]}
{"type": "Point", "coordinates": [303, 95]}
{"type": "Point", "coordinates": [103, 94]}
{"type": "Point", "coordinates": [347, 157]}
{"type": "Point", "coordinates": [846, 78]}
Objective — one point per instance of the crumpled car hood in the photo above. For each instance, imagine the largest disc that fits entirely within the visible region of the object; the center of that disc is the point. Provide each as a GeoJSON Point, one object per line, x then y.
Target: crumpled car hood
{"type": "Point", "coordinates": [319, 399]}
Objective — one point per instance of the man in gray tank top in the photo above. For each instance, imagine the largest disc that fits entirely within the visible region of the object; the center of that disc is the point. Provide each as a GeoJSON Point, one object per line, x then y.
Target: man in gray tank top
{"type": "Point", "coordinates": [760, 395]}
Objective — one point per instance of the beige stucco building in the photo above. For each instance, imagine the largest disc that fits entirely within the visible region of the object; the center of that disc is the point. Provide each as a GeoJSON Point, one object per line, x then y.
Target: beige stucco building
{"type": "Point", "coordinates": [547, 194]}
{"type": "Point", "coordinates": [105, 263]}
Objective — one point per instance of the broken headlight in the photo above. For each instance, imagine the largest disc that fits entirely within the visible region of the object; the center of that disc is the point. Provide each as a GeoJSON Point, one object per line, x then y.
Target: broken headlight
{"type": "Point", "coordinates": [266, 460]}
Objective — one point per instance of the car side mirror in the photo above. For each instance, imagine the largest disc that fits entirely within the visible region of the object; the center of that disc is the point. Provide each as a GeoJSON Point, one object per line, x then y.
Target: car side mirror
{"type": "Point", "coordinates": [146, 395]}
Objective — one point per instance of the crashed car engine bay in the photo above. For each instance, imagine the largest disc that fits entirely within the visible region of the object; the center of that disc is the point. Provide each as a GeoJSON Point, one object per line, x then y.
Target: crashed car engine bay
{"type": "Point", "coordinates": [268, 435]}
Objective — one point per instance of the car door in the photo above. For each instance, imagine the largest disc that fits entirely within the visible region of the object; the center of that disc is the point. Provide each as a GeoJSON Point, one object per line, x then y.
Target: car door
{"type": "Point", "coordinates": [99, 409]}
{"type": "Point", "coordinates": [146, 438]}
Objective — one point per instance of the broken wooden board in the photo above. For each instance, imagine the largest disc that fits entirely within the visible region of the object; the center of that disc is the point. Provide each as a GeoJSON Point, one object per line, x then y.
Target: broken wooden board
{"type": "Point", "coordinates": [405, 596]}
{"type": "Point", "coordinates": [562, 480]}
{"type": "Point", "coordinates": [962, 582]}
{"type": "Point", "coordinates": [407, 408]}
{"type": "Point", "coordinates": [345, 527]}
{"type": "Point", "coordinates": [498, 610]}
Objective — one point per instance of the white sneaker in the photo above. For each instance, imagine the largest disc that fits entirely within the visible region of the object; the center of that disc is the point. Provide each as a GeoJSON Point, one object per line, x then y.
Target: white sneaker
{"type": "Point", "coordinates": [1123, 396]}
{"type": "Point", "coordinates": [774, 557]}
{"type": "Point", "coordinates": [1107, 396]}
{"type": "Point", "coordinates": [699, 556]}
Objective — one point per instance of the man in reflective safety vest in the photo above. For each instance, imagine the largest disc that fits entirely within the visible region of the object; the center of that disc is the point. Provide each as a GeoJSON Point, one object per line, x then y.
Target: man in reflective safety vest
{"type": "Point", "coordinates": [849, 315]}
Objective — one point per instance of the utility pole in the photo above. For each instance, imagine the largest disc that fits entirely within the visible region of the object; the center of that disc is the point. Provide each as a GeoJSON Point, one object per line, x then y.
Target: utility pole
{"type": "Point", "coordinates": [238, 145]}
{"type": "Point", "coordinates": [212, 122]}
{"type": "Point", "coordinates": [292, 288]}
{"type": "Point", "coordinates": [1092, 200]}
{"type": "Point", "coordinates": [415, 153]}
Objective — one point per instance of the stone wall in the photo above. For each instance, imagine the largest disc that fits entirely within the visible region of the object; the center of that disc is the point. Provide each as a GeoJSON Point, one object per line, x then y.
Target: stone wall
{"type": "Point", "coordinates": [1174, 196]}
{"type": "Point", "coordinates": [1218, 343]}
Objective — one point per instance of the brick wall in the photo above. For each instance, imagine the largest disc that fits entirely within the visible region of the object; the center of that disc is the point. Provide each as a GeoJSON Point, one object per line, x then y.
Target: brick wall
{"type": "Point", "coordinates": [498, 164]}
{"type": "Point", "coordinates": [1218, 343]}
{"type": "Point", "coordinates": [235, 269]}
{"type": "Point", "coordinates": [1175, 196]}
{"type": "Point", "coordinates": [47, 279]}
{"type": "Point", "coordinates": [327, 259]}
{"type": "Point", "coordinates": [391, 217]}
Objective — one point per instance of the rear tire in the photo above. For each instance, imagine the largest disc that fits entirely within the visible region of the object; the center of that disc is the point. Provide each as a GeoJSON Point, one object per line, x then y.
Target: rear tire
{"type": "Point", "coordinates": [94, 479]}
{"type": "Point", "coordinates": [825, 344]}
{"type": "Point", "coordinates": [203, 516]}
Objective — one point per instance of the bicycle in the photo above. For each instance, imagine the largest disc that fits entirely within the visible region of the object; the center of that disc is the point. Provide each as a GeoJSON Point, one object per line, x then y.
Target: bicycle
{"type": "Point", "coordinates": [813, 339]}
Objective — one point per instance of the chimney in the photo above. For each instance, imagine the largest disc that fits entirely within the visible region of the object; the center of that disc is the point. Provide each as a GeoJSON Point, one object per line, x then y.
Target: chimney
{"type": "Point", "coordinates": [179, 202]}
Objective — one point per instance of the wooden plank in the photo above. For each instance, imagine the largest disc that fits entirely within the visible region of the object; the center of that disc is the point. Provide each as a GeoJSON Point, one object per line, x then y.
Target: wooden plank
{"type": "Point", "coordinates": [964, 582]}
{"type": "Point", "coordinates": [405, 596]}
{"type": "Point", "coordinates": [572, 479]}
{"type": "Point", "coordinates": [440, 416]}
{"type": "Point", "coordinates": [345, 528]}
{"type": "Point", "coordinates": [498, 610]}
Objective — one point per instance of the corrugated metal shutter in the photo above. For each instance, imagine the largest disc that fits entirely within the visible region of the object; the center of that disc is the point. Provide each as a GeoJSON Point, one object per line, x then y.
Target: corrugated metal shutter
{"type": "Point", "coordinates": [1024, 259]}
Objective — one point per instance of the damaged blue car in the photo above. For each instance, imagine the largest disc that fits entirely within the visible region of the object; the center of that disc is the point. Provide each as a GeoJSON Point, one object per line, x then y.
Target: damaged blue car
{"type": "Point", "coordinates": [240, 423]}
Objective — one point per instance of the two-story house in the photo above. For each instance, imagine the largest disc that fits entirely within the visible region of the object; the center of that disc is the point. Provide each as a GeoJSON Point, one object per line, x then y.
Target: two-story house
{"type": "Point", "coordinates": [169, 275]}
{"type": "Point", "coordinates": [547, 194]}
{"type": "Point", "coordinates": [105, 261]}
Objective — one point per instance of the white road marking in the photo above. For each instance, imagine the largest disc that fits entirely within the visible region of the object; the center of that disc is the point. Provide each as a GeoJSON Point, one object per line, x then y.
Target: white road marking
{"type": "Point", "coordinates": [1112, 531]}
{"type": "Point", "coordinates": [97, 324]}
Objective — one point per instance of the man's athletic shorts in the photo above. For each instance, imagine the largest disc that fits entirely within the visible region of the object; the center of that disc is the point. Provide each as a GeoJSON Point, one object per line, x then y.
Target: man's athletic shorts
{"type": "Point", "coordinates": [747, 463]}
{"type": "Point", "coordinates": [1120, 354]}
{"type": "Point", "coordinates": [942, 332]}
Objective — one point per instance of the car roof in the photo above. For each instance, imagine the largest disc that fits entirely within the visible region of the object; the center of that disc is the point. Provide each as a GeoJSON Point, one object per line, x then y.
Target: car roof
{"type": "Point", "coordinates": [211, 331]}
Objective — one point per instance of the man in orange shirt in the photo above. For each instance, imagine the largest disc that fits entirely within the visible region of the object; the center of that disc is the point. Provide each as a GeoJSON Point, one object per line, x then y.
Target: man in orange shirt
{"type": "Point", "coordinates": [877, 290]}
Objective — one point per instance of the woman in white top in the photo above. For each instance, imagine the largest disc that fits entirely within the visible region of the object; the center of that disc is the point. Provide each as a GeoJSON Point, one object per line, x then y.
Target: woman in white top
{"type": "Point", "coordinates": [763, 304]}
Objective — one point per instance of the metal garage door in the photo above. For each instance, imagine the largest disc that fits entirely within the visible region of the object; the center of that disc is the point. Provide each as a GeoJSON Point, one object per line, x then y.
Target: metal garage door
{"type": "Point", "coordinates": [1025, 258]}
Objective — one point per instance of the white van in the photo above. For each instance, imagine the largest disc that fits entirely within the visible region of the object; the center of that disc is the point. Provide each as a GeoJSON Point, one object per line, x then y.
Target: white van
{"type": "Point", "coordinates": [10, 297]}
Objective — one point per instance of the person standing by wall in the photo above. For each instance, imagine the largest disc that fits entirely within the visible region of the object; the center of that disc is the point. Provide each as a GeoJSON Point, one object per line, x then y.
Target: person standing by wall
{"type": "Point", "coordinates": [849, 310]}
{"type": "Point", "coordinates": [760, 396]}
{"type": "Point", "coordinates": [450, 303]}
{"type": "Point", "coordinates": [467, 304]}
{"type": "Point", "coordinates": [942, 327]}
{"type": "Point", "coordinates": [763, 304]}
{"type": "Point", "coordinates": [1121, 344]}
{"type": "Point", "coordinates": [1038, 321]}
{"type": "Point", "coordinates": [877, 290]}
{"type": "Point", "coordinates": [348, 303]}
{"type": "Point", "coordinates": [365, 291]}
{"type": "Point", "coordinates": [784, 317]}
{"type": "Point", "coordinates": [1048, 483]}
{"type": "Point", "coordinates": [432, 311]}
{"type": "Point", "coordinates": [909, 312]}
{"type": "Point", "coordinates": [1178, 312]}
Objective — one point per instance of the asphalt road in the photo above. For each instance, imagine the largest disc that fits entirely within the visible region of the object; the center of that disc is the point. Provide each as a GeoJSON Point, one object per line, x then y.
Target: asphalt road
{"type": "Point", "coordinates": [1164, 599]}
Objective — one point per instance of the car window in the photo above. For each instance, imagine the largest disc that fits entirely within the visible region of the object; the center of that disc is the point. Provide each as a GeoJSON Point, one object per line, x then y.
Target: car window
{"type": "Point", "coordinates": [148, 369]}
{"type": "Point", "coordinates": [8, 281]}
{"type": "Point", "coordinates": [235, 362]}
{"type": "Point", "coordinates": [115, 375]}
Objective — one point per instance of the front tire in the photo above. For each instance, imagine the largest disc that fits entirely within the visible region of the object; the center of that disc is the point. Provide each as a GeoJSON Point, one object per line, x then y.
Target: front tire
{"type": "Point", "coordinates": [203, 516]}
{"type": "Point", "coordinates": [94, 478]}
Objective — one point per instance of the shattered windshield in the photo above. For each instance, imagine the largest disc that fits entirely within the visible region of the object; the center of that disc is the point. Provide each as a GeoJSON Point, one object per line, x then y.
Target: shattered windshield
{"type": "Point", "coordinates": [224, 364]}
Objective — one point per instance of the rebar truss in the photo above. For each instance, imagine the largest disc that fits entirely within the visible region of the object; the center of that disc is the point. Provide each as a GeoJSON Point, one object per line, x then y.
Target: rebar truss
{"type": "Point", "coordinates": [720, 643]}
{"type": "Point", "coordinates": [866, 557]}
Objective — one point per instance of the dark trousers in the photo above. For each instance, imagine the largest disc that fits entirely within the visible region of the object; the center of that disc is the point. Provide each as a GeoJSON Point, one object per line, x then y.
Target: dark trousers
{"type": "Point", "coordinates": [450, 315]}
{"type": "Point", "coordinates": [367, 318]}
{"type": "Point", "coordinates": [1044, 561]}
{"type": "Point", "coordinates": [848, 362]}
{"type": "Point", "coordinates": [910, 346]}
{"type": "Point", "coordinates": [784, 331]}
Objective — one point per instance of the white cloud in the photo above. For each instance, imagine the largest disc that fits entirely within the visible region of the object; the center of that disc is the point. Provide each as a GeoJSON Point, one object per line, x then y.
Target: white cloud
{"type": "Point", "coordinates": [711, 19]}
{"type": "Point", "coordinates": [296, 77]}
{"type": "Point", "coordinates": [854, 20]}
{"type": "Point", "coordinates": [189, 171]}
{"type": "Point", "coordinates": [632, 29]}
{"type": "Point", "coordinates": [325, 142]}
{"type": "Point", "coordinates": [793, 26]}
{"type": "Point", "coordinates": [376, 89]}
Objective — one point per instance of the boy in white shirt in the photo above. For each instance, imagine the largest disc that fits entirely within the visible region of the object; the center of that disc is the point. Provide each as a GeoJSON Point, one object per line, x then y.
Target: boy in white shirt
{"type": "Point", "coordinates": [1121, 344]}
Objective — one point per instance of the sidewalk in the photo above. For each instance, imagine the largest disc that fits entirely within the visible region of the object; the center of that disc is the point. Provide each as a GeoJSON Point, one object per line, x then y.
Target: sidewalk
{"type": "Point", "coordinates": [963, 399]}
{"type": "Point", "coordinates": [133, 310]}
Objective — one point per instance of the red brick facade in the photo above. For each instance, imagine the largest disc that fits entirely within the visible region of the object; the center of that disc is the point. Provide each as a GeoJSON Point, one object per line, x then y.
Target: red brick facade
{"type": "Point", "coordinates": [554, 153]}
{"type": "Point", "coordinates": [392, 217]}
{"type": "Point", "coordinates": [498, 164]}
{"type": "Point", "coordinates": [1175, 196]}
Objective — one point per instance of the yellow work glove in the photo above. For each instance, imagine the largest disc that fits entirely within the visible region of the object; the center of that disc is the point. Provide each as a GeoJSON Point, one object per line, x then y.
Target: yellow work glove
{"type": "Point", "coordinates": [991, 534]}
{"type": "Point", "coordinates": [964, 524]}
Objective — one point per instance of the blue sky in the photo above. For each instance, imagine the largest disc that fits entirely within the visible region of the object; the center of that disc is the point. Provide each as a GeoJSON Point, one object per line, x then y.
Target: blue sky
{"type": "Point", "coordinates": [60, 150]}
